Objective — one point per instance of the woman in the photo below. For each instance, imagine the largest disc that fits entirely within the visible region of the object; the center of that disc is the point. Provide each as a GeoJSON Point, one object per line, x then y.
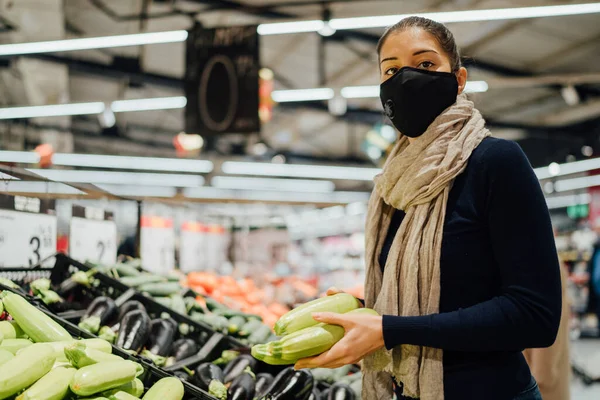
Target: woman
{"type": "Point", "coordinates": [461, 262]}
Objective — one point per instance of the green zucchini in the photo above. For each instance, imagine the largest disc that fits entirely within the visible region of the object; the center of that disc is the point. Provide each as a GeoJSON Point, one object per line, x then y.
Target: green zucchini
{"type": "Point", "coordinates": [260, 335]}
{"type": "Point", "coordinates": [235, 324]}
{"type": "Point", "coordinates": [14, 345]}
{"type": "Point", "coordinates": [25, 369]}
{"type": "Point", "coordinates": [134, 388]}
{"type": "Point", "coordinates": [120, 395]}
{"type": "Point", "coordinates": [138, 280]}
{"type": "Point", "coordinates": [217, 322]}
{"type": "Point", "coordinates": [178, 304]}
{"type": "Point", "coordinates": [79, 355]}
{"type": "Point", "coordinates": [52, 386]}
{"type": "Point", "coordinates": [161, 288]}
{"type": "Point", "coordinates": [165, 301]}
{"type": "Point", "coordinates": [126, 270]}
{"type": "Point", "coordinates": [37, 325]}
{"type": "Point", "coordinates": [102, 376]}
{"type": "Point", "coordinates": [249, 327]}
{"type": "Point", "coordinates": [9, 283]}
{"type": "Point", "coordinates": [5, 356]}
{"type": "Point", "coordinates": [1, 307]}
{"type": "Point", "coordinates": [7, 330]}
{"type": "Point", "coordinates": [165, 389]}
{"type": "Point", "coordinates": [213, 305]}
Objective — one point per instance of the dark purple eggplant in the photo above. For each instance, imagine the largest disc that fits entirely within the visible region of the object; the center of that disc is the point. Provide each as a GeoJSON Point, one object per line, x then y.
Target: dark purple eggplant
{"type": "Point", "coordinates": [162, 333]}
{"type": "Point", "coordinates": [130, 306]}
{"type": "Point", "coordinates": [242, 388]}
{"type": "Point", "coordinates": [237, 366]}
{"type": "Point", "coordinates": [263, 383]}
{"type": "Point", "coordinates": [103, 308]}
{"type": "Point", "coordinates": [291, 385]}
{"type": "Point", "coordinates": [182, 375]}
{"type": "Point", "coordinates": [315, 394]}
{"type": "Point", "coordinates": [134, 330]}
{"type": "Point", "coordinates": [341, 391]}
{"type": "Point", "coordinates": [183, 348]}
{"type": "Point", "coordinates": [206, 373]}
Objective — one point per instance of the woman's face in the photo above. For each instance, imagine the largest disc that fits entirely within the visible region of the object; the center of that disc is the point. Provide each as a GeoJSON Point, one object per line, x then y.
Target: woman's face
{"type": "Point", "coordinates": [414, 47]}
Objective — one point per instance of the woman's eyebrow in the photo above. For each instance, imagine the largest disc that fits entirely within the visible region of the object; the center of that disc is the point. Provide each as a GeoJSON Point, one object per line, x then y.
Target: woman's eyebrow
{"type": "Point", "coordinates": [388, 59]}
{"type": "Point", "coordinates": [416, 53]}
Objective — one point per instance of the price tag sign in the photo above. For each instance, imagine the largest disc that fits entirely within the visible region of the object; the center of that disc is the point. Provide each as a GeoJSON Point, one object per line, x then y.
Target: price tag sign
{"type": "Point", "coordinates": [157, 244]}
{"type": "Point", "coordinates": [27, 231]}
{"type": "Point", "coordinates": [93, 236]}
{"type": "Point", "coordinates": [191, 248]}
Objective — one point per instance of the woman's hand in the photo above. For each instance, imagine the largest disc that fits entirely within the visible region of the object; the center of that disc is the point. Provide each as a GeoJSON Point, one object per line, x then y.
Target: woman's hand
{"type": "Point", "coordinates": [333, 290]}
{"type": "Point", "coordinates": [364, 335]}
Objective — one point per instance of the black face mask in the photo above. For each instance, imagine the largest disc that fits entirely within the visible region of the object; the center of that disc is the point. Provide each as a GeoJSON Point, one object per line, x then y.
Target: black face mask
{"type": "Point", "coordinates": [413, 98]}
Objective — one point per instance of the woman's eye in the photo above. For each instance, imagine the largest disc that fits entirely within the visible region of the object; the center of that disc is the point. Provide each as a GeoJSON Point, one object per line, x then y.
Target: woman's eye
{"type": "Point", "coordinates": [391, 71]}
{"type": "Point", "coordinates": [425, 65]}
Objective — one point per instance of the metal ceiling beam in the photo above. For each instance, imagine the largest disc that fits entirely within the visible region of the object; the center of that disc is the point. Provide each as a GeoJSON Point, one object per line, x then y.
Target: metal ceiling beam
{"type": "Point", "coordinates": [550, 60]}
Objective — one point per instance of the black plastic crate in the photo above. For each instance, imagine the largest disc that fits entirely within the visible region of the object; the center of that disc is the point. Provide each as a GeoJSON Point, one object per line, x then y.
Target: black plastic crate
{"type": "Point", "coordinates": [151, 375]}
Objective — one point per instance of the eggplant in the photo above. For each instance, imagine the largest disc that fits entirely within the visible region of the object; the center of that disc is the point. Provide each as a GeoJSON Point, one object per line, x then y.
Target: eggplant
{"type": "Point", "coordinates": [182, 375]}
{"type": "Point", "coordinates": [206, 373]}
{"type": "Point", "coordinates": [134, 330]}
{"type": "Point", "coordinates": [162, 333]}
{"type": "Point", "coordinates": [130, 306]}
{"type": "Point", "coordinates": [102, 307]}
{"type": "Point", "coordinates": [315, 394]}
{"type": "Point", "coordinates": [291, 385]}
{"type": "Point", "coordinates": [242, 388]}
{"type": "Point", "coordinates": [237, 366]}
{"type": "Point", "coordinates": [183, 348]}
{"type": "Point", "coordinates": [263, 382]}
{"type": "Point", "coordinates": [341, 391]}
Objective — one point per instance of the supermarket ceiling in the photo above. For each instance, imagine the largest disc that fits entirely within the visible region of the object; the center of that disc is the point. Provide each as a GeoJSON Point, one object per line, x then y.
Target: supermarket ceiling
{"type": "Point", "coordinates": [543, 74]}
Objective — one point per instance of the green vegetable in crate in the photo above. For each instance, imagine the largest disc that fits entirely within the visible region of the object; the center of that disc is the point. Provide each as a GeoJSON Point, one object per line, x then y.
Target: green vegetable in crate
{"type": "Point", "coordinates": [249, 327]}
{"type": "Point", "coordinates": [107, 334]}
{"type": "Point", "coordinates": [25, 369]}
{"type": "Point", "coordinates": [91, 324]}
{"type": "Point", "coordinates": [122, 396]}
{"type": "Point", "coordinates": [260, 335]}
{"type": "Point", "coordinates": [1, 308]}
{"type": "Point", "coordinates": [218, 390]}
{"type": "Point", "coordinates": [165, 301]}
{"type": "Point", "coordinates": [80, 355]}
{"type": "Point", "coordinates": [134, 388]}
{"type": "Point", "coordinates": [160, 289]}
{"type": "Point", "coordinates": [103, 376]}
{"type": "Point", "coordinates": [5, 356]}
{"type": "Point", "coordinates": [9, 283]}
{"type": "Point", "coordinates": [52, 386]}
{"type": "Point", "coordinates": [304, 343]}
{"type": "Point", "coordinates": [226, 357]}
{"type": "Point", "coordinates": [11, 330]}
{"type": "Point", "coordinates": [165, 389]}
{"type": "Point", "coordinates": [235, 324]}
{"type": "Point", "coordinates": [50, 297]}
{"type": "Point", "coordinates": [37, 325]}
{"type": "Point", "coordinates": [14, 345]}
{"type": "Point", "coordinates": [142, 279]}
{"type": "Point", "coordinates": [127, 269]}
{"type": "Point", "coordinates": [39, 285]}
{"type": "Point", "coordinates": [178, 304]}
{"type": "Point", "coordinates": [301, 317]}
{"type": "Point", "coordinates": [216, 322]}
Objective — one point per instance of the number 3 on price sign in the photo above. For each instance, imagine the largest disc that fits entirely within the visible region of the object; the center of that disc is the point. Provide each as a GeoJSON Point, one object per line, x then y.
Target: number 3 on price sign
{"type": "Point", "coordinates": [35, 243]}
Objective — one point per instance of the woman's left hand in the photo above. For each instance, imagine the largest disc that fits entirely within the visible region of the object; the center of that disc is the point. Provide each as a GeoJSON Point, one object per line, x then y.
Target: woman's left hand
{"type": "Point", "coordinates": [364, 335]}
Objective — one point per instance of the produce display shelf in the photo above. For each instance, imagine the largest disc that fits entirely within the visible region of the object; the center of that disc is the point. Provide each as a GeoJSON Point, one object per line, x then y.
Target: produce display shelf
{"type": "Point", "coordinates": [151, 375]}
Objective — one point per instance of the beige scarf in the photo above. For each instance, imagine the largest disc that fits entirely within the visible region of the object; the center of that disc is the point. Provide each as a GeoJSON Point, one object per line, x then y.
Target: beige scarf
{"type": "Point", "coordinates": [416, 178]}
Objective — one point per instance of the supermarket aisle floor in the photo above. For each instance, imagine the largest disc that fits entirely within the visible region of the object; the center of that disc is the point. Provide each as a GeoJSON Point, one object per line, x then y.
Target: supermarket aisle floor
{"type": "Point", "coordinates": [586, 353]}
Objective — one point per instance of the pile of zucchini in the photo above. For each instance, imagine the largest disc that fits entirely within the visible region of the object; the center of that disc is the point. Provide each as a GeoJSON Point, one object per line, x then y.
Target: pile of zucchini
{"type": "Point", "coordinates": [40, 360]}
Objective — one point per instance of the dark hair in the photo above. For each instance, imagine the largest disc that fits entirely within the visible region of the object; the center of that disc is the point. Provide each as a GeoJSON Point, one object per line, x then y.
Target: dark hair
{"type": "Point", "coordinates": [442, 34]}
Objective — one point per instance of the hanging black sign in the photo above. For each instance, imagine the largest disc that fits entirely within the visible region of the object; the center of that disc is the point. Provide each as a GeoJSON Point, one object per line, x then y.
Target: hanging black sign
{"type": "Point", "coordinates": [221, 80]}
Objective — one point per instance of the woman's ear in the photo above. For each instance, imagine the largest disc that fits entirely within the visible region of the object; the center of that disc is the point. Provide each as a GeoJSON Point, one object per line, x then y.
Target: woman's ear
{"type": "Point", "coordinates": [461, 77]}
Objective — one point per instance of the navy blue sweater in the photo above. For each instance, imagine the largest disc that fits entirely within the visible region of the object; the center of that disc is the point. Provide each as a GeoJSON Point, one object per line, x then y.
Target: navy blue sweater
{"type": "Point", "coordinates": [500, 280]}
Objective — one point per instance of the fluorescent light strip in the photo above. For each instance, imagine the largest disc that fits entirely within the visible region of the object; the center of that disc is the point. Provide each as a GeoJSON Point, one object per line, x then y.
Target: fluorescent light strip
{"type": "Point", "coordinates": [444, 17]}
{"type": "Point", "coordinates": [52, 110]}
{"type": "Point", "coordinates": [159, 103]}
{"type": "Point", "coordinates": [39, 188]}
{"type": "Point", "coordinates": [121, 178]}
{"type": "Point", "coordinates": [104, 42]}
{"type": "Point", "coordinates": [112, 162]}
{"type": "Point", "coordinates": [285, 96]}
{"type": "Point", "coordinates": [372, 91]}
{"type": "Point", "coordinates": [299, 171]}
{"type": "Point", "coordinates": [284, 185]}
{"type": "Point", "coordinates": [249, 195]}
{"type": "Point", "coordinates": [584, 182]}
{"type": "Point", "coordinates": [140, 191]}
{"type": "Point", "coordinates": [566, 201]}
{"type": "Point", "coordinates": [568, 168]}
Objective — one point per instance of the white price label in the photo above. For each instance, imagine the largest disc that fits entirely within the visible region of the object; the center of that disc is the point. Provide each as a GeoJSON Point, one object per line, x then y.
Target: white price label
{"type": "Point", "coordinates": [93, 240]}
{"type": "Point", "coordinates": [157, 245]}
{"type": "Point", "coordinates": [191, 248]}
{"type": "Point", "coordinates": [26, 238]}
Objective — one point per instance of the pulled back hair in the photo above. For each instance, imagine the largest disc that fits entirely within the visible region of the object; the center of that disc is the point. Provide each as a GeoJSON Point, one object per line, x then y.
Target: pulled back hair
{"type": "Point", "coordinates": [442, 34]}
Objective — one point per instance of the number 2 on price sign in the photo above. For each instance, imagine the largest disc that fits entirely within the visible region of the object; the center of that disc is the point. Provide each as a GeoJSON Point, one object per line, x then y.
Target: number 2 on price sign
{"type": "Point", "coordinates": [35, 243]}
{"type": "Point", "coordinates": [101, 248]}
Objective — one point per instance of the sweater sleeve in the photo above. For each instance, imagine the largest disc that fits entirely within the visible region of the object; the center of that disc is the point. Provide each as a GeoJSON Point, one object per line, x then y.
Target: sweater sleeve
{"type": "Point", "coordinates": [526, 313]}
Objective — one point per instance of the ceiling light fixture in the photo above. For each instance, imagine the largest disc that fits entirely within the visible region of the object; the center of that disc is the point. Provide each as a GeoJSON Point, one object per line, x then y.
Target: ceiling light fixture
{"type": "Point", "coordinates": [286, 185]}
{"type": "Point", "coordinates": [285, 96]}
{"type": "Point", "coordinates": [102, 42]}
{"type": "Point", "coordinates": [372, 91]}
{"type": "Point", "coordinates": [159, 103]}
{"type": "Point", "coordinates": [120, 178]}
{"type": "Point", "coordinates": [299, 171]}
{"type": "Point", "coordinates": [567, 168]}
{"type": "Point", "coordinates": [292, 197]}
